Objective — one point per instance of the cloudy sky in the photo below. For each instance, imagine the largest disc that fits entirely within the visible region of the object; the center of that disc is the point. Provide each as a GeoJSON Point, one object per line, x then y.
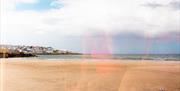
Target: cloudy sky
{"type": "Point", "coordinates": [93, 26]}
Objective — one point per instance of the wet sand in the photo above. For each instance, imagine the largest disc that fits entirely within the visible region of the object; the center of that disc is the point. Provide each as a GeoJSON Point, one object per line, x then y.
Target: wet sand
{"type": "Point", "coordinates": [89, 75]}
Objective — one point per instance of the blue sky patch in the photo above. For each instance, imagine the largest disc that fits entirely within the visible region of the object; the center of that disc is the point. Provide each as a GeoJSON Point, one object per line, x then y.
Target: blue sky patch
{"type": "Point", "coordinates": [41, 5]}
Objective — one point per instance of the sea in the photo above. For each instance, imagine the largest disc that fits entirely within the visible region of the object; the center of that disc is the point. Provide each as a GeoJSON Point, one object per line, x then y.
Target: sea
{"type": "Point", "coordinates": [135, 57]}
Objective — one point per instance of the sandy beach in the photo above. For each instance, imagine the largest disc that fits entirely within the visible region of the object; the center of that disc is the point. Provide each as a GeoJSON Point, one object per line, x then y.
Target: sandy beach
{"type": "Point", "coordinates": [89, 75]}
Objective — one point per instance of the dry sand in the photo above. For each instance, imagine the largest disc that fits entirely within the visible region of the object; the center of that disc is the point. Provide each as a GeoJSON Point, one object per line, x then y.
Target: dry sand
{"type": "Point", "coordinates": [95, 75]}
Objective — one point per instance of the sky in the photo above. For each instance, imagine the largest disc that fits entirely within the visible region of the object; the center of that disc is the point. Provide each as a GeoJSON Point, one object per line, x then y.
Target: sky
{"type": "Point", "coordinates": [93, 26]}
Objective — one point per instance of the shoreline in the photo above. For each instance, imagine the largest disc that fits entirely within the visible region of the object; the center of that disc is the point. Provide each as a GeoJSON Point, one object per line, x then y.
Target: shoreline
{"type": "Point", "coordinates": [84, 59]}
{"type": "Point", "coordinates": [135, 57]}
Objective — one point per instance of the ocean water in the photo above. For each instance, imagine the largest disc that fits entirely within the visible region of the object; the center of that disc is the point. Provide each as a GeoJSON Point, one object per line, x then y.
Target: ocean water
{"type": "Point", "coordinates": [155, 57]}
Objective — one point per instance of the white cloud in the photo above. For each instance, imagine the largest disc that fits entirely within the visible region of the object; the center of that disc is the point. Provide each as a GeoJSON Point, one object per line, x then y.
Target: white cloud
{"type": "Point", "coordinates": [78, 17]}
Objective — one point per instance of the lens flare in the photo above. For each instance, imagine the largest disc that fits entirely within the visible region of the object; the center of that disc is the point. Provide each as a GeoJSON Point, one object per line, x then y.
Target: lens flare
{"type": "Point", "coordinates": [99, 46]}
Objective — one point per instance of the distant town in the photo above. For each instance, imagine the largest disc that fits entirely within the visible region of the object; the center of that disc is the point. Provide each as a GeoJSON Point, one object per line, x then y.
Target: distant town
{"type": "Point", "coordinates": [30, 51]}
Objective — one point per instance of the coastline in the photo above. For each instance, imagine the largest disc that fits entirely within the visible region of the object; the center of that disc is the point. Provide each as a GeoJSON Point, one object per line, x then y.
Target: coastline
{"type": "Point", "coordinates": [90, 75]}
{"type": "Point", "coordinates": [133, 57]}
